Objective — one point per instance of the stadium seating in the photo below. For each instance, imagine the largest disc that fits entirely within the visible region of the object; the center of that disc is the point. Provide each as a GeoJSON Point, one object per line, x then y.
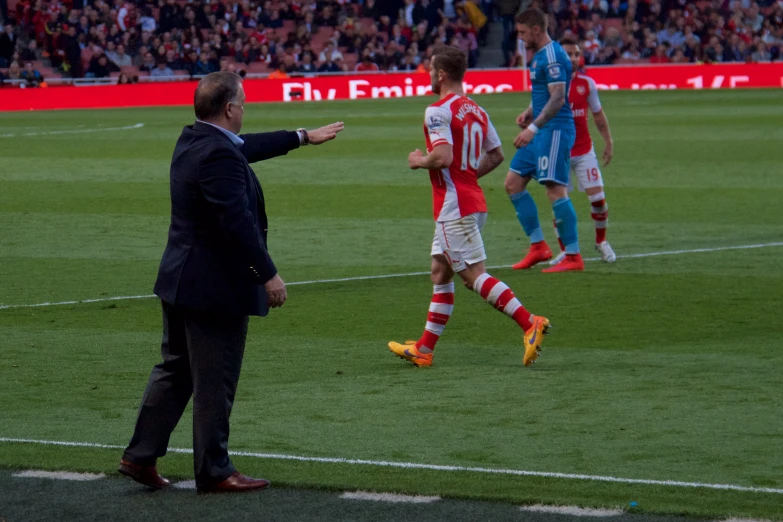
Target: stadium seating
{"type": "Point", "coordinates": [614, 29]}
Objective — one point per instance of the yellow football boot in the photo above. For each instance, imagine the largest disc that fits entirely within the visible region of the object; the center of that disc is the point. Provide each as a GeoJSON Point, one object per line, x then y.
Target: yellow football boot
{"type": "Point", "coordinates": [533, 339]}
{"type": "Point", "coordinates": [409, 352]}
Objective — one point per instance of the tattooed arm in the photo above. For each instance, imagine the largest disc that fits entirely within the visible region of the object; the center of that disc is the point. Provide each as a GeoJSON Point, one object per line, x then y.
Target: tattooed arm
{"type": "Point", "coordinates": [490, 160]}
{"type": "Point", "coordinates": [557, 97]}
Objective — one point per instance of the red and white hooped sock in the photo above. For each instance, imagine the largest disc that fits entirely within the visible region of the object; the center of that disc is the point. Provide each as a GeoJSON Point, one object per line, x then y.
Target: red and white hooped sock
{"type": "Point", "coordinates": [440, 310]}
{"type": "Point", "coordinates": [599, 210]}
{"type": "Point", "coordinates": [499, 295]}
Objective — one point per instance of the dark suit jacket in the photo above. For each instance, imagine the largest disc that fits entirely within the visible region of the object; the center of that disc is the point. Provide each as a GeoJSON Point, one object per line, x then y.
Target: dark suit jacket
{"type": "Point", "coordinates": [216, 257]}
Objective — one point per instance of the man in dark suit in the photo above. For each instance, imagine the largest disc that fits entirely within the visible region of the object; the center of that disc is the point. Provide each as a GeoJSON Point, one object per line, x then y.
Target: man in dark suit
{"type": "Point", "coordinates": [215, 272]}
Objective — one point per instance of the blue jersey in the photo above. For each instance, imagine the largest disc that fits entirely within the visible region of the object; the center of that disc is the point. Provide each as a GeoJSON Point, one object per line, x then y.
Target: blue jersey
{"type": "Point", "coordinates": [551, 65]}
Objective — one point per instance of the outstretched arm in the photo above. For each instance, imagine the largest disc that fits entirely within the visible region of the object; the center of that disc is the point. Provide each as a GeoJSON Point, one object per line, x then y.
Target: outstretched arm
{"type": "Point", "coordinates": [266, 145]}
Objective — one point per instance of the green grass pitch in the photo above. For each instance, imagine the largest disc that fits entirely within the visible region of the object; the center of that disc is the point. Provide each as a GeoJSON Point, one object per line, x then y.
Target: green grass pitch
{"type": "Point", "coordinates": [664, 368]}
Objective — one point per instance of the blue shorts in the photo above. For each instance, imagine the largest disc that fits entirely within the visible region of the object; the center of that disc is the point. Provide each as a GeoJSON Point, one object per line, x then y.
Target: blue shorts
{"type": "Point", "coordinates": [546, 158]}
{"type": "Point", "coordinates": [525, 160]}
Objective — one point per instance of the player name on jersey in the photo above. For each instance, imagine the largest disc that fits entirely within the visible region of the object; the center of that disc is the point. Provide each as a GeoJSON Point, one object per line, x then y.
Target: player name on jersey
{"type": "Point", "coordinates": [459, 122]}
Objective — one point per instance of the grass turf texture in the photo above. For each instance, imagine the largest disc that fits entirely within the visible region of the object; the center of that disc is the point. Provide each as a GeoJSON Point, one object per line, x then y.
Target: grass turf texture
{"type": "Point", "coordinates": [657, 368]}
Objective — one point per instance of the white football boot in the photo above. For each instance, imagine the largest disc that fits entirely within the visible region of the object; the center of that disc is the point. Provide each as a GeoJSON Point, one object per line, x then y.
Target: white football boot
{"type": "Point", "coordinates": [607, 254]}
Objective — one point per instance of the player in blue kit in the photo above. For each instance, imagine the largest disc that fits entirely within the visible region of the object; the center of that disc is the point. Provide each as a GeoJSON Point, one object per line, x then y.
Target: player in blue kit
{"type": "Point", "coordinates": [544, 146]}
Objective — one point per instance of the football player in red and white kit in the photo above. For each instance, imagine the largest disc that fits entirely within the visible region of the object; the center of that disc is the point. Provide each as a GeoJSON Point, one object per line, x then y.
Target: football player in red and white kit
{"type": "Point", "coordinates": [462, 146]}
{"type": "Point", "coordinates": [583, 96]}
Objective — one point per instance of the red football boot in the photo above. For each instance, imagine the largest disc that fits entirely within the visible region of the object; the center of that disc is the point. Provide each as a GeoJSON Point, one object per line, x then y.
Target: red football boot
{"type": "Point", "coordinates": [571, 263]}
{"type": "Point", "coordinates": [538, 253]}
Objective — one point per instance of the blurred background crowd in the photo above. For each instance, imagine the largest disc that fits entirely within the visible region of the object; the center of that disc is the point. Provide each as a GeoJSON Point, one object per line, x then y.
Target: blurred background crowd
{"type": "Point", "coordinates": [128, 39]}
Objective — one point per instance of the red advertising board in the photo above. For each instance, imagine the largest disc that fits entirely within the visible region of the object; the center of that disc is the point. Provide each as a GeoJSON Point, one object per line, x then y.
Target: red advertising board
{"type": "Point", "coordinates": [390, 85]}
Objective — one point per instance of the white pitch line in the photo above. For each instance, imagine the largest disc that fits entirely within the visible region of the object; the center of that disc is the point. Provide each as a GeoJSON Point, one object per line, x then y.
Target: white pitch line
{"type": "Point", "coordinates": [406, 274]}
{"type": "Point", "coordinates": [430, 467]}
{"type": "Point", "coordinates": [73, 131]}
{"type": "Point", "coordinates": [388, 497]}
{"type": "Point", "coordinates": [59, 475]}
{"type": "Point", "coordinates": [573, 510]}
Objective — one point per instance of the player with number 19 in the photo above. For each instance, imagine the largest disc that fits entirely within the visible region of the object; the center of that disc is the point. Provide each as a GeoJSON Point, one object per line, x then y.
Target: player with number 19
{"type": "Point", "coordinates": [462, 146]}
{"type": "Point", "coordinates": [583, 96]}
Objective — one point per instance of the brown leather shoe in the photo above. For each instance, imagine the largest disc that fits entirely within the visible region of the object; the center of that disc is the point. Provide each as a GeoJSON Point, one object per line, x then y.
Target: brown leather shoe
{"type": "Point", "coordinates": [235, 483]}
{"type": "Point", "coordinates": [146, 475]}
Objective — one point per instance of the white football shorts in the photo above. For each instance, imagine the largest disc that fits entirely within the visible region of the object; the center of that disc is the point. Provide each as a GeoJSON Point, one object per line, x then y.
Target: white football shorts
{"type": "Point", "coordinates": [587, 171]}
{"type": "Point", "coordinates": [460, 240]}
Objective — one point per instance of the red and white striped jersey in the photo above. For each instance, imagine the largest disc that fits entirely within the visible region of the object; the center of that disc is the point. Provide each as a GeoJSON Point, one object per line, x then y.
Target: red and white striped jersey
{"type": "Point", "coordinates": [460, 122]}
{"type": "Point", "coordinates": [583, 94]}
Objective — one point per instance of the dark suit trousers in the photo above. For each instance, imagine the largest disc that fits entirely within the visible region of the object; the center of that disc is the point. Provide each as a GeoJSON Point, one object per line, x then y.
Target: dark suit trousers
{"type": "Point", "coordinates": [202, 356]}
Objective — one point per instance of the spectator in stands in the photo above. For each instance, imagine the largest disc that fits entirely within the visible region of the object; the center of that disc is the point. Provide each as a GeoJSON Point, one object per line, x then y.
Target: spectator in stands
{"type": "Point", "coordinates": [123, 79]}
{"type": "Point", "coordinates": [660, 55]}
{"type": "Point", "coordinates": [101, 67]}
{"type": "Point", "coordinates": [162, 70]}
{"type": "Point", "coordinates": [31, 75]}
{"type": "Point", "coordinates": [367, 65]}
{"type": "Point", "coordinates": [279, 73]}
{"type": "Point", "coordinates": [204, 66]}
{"type": "Point", "coordinates": [632, 52]}
{"type": "Point", "coordinates": [329, 66]}
{"type": "Point", "coordinates": [141, 55]}
{"type": "Point", "coordinates": [148, 64]}
{"type": "Point", "coordinates": [8, 42]}
{"type": "Point", "coordinates": [31, 53]}
{"type": "Point", "coordinates": [408, 62]}
{"type": "Point", "coordinates": [120, 58]}
{"type": "Point", "coordinates": [679, 56]}
{"type": "Point", "coordinates": [147, 21]}
{"type": "Point", "coordinates": [476, 17]}
{"type": "Point", "coordinates": [392, 57]}
{"type": "Point", "coordinates": [330, 53]}
{"type": "Point", "coordinates": [714, 50]}
{"type": "Point", "coordinates": [72, 52]}
{"type": "Point", "coordinates": [734, 52]}
{"type": "Point", "coordinates": [191, 62]}
{"type": "Point", "coordinates": [507, 9]}
{"type": "Point", "coordinates": [370, 10]}
{"type": "Point", "coordinates": [307, 64]}
{"type": "Point", "coordinates": [761, 53]}
{"type": "Point", "coordinates": [671, 35]}
{"type": "Point", "coordinates": [14, 72]}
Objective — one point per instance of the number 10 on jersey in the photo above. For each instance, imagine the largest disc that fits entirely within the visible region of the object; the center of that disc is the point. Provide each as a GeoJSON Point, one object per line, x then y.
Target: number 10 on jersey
{"type": "Point", "coordinates": [472, 138]}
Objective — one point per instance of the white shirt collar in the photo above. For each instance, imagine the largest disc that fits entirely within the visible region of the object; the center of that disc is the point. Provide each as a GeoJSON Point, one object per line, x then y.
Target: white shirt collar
{"type": "Point", "coordinates": [236, 140]}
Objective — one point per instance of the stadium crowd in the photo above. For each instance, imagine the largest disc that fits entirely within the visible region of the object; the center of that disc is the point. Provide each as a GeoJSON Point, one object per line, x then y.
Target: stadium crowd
{"type": "Point", "coordinates": [678, 31]}
{"type": "Point", "coordinates": [101, 38]}
{"type": "Point", "coordinates": [159, 38]}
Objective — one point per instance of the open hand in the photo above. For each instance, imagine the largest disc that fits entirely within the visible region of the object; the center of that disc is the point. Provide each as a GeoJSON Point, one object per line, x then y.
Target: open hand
{"type": "Point", "coordinates": [276, 292]}
{"type": "Point", "coordinates": [324, 134]}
